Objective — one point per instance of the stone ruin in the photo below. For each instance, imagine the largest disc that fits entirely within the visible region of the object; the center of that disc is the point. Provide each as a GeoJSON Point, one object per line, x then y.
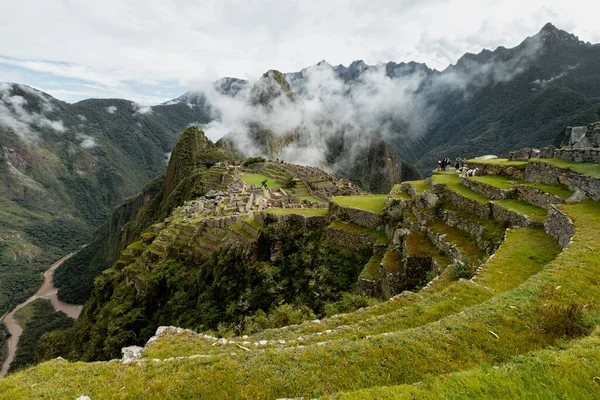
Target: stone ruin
{"type": "Point", "coordinates": [581, 144]}
{"type": "Point", "coordinates": [582, 137]}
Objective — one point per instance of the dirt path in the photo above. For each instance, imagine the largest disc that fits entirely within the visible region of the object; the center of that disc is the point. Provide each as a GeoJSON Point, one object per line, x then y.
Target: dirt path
{"type": "Point", "coordinates": [46, 291]}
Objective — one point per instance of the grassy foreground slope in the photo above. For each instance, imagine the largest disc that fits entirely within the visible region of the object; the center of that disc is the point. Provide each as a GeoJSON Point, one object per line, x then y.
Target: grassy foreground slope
{"type": "Point", "coordinates": [514, 323]}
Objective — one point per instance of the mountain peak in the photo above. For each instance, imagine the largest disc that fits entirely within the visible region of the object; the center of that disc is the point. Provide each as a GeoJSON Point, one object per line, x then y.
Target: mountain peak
{"type": "Point", "coordinates": [269, 87]}
{"type": "Point", "coordinates": [549, 27]}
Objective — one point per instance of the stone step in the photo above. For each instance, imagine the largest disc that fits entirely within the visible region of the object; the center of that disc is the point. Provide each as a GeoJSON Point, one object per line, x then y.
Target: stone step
{"type": "Point", "coordinates": [518, 213]}
{"type": "Point", "coordinates": [207, 243]}
{"type": "Point", "coordinates": [455, 243]}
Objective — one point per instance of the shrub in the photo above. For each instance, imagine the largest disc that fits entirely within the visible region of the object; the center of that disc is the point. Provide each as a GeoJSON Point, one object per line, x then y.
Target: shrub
{"type": "Point", "coordinates": [460, 270]}
{"type": "Point", "coordinates": [290, 183]}
{"type": "Point", "coordinates": [254, 160]}
{"type": "Point", "coordinates": [349, 303]}
{"type": "Point", "coordinates": [560, 320]}
{"type": "Point", "coordinates": [283, 315]}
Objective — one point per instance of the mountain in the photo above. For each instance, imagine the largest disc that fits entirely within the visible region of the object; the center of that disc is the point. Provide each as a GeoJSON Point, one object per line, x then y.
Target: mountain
{"type": "Point", "coordinates": [63, 167]}
{"type": "Point", "coordinates": [280, 125]}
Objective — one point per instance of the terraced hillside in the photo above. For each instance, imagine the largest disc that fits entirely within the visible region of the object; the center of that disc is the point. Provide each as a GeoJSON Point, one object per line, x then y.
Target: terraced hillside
{"type": "Point", "coordinates": [488, 288]}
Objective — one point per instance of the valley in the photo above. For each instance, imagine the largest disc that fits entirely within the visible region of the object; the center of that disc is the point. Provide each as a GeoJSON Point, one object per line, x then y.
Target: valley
{"type": "Point", "coordinates": [46, 291]}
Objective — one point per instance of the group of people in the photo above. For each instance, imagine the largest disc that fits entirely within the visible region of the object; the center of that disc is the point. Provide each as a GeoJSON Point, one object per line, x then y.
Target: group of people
{"type": "Point", "coordinates": [446, 163]}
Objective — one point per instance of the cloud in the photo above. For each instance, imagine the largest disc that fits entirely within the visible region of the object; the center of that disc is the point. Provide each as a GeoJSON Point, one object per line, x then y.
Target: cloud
{"type": "Point", "coordinates": [111, 109]}
{"type": "Point", "coordinates": [211, 39]}
{"type": "Point", "coordinates": [87, 142]}
{"type": "Point", "coordinates": [140, 109]}
{"type": "Point", "coordinates": [26, 124]}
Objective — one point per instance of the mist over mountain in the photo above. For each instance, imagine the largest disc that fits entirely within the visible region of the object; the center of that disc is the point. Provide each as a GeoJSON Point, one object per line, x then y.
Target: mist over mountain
{"type": "Point", "coordinates": [489, 102]}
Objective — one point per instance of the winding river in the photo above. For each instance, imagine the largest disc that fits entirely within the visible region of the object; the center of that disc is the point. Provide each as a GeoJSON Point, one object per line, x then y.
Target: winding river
{"type": "Point", "coordinates": [46, 291]}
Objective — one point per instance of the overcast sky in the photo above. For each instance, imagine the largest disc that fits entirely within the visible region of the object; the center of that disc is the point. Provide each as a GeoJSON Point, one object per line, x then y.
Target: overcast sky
{"type": "Point", "coordinates": [154, 50]}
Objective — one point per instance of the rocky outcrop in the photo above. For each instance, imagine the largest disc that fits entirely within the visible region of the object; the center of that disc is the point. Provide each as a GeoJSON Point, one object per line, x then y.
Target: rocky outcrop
{"type": "Point", "coordinates": [559, 226]}
{"type": "Point", "coordinates": [131, 354]}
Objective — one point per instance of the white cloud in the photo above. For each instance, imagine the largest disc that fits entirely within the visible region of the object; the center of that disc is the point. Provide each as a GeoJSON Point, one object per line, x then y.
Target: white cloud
{"type": "Point", "coordinates": [140, 109]}
{"type": "Point", "coordinates": [189, 42]}
{"type": "Point", "coordinates": [87, 142]}
{"type": "Point", "coordinates": [111, 109]}
{"type": "Point", "coordinates": [26, 124]}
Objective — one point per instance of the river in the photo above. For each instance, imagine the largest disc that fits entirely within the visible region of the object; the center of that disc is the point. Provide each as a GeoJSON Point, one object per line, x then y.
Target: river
{"type": "Point", "coordinates": [46, 291]}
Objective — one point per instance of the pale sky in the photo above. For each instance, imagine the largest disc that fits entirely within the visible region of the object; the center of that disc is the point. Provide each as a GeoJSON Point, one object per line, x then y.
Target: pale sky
{"type": "Point", "coordinates": [154, 50]}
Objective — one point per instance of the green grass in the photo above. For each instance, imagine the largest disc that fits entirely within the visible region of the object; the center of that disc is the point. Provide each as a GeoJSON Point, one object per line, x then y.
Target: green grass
{"type": "Point", "coordinates": [392, 261]}
{"type": "Point", "coordinates": [523, 208]}
{"type": "Point", "coordinates": [312, 199]}
{"type": "Point", "coordinates": [398, 193]}
{"type": "Point", "coordinates": [497, 181]}
{"type": "Point", "coordinates": [372, 203]}
{"type": "Point", "coordinates": [257, 179]}
{"type": "Point", "coordinates": [453, 183]}
{"type": "Point", "coordinates": [488, 334]}
{"type": "Point", "coordinates": [589, 169]}
{"type": "Point", "coordinates": [570, 373]}
{"type": "Point", "coordinates": [371, 270]}
{"type": "Point", "coordinates": [419, 186]}
{"type": "Point", "coordinates": [307, 212]}
{"type": "Point", "coordinates": [522, 255]}
{"type": "Point", "coordinates": [558, 190]}
{"type": "Point", "coordinates": [500, 161]}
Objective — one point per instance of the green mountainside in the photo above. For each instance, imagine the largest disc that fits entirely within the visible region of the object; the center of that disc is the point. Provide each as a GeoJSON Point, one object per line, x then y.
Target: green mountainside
{"type": "Point", "coordinates": [63, 167]}
{"type": "Point", "coordinates": [479, 286]}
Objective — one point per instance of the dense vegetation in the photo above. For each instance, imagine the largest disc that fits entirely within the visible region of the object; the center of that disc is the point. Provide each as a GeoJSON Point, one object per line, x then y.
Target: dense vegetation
{"type": "Point", "coordinates": [234, 292]}
{"type": "Point", "coordinates": [3, 338]}
{"type": "Point", "coordinates": [37, 318]}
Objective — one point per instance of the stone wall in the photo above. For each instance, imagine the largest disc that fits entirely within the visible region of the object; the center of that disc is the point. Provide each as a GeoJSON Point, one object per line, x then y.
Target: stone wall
{"type": "Point", "coordinates": [536, 196]}
{"type": "Point", "coordinates": [352, 240]}
{"type": "Point", "coordinates": [559, 226]}
{"type": "Point", "coordinates": [439, 242]}
{"type": "Point", "coordinates": [391, 282]}
{"type": "Point", "coordinates": [370, 287]}
{"type": "Point", "coordinates": [494, 169]}
{"type": "Point", "coordinates": [579, 155]}
{"type": "Point", "coordinates": [293, 221]}
{"type": "Point", "coordinates": [394, 208]}
{"type": "Point", "coordinates": [366, 219]}
{"type": "Point", "coordinates": [488, 191]}
{"type": "Point", "coordinates": [546, 173]}
{"type": "Point", "coordinates": [524, 154]}
{"type": "Point", "coordinates": [474, 230]}
{"type": "Point", "coordinates": [467, 205]}
{"type": "Point", "coordinates": [513, 219]}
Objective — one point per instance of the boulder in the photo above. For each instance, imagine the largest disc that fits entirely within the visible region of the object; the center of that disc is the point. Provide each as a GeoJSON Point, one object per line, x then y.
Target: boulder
{"type": "Point", "coordinates": [576, 197]}
{"type": "Point", "coordinates": [131, 354]}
